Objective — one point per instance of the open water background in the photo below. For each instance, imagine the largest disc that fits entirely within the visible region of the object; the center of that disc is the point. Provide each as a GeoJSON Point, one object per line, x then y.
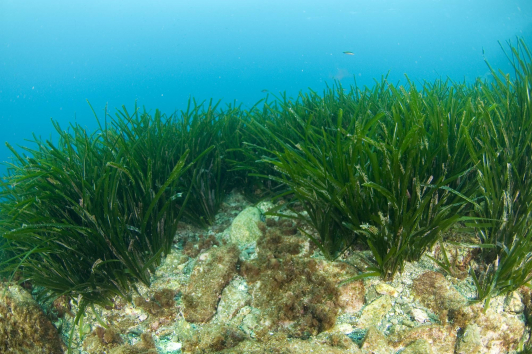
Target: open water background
{"type": "Point", "coordinates": [55, 55]}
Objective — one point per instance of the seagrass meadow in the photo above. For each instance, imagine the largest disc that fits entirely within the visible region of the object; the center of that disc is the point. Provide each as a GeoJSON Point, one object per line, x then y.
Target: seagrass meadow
{"type": "Point", "coordinates": [383, 173]}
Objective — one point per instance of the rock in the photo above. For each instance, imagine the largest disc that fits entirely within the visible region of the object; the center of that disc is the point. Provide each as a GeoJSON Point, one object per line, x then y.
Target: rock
{"type": "Point", "coordinates": [375, 343]}
{"type": "Point", "coordinates": [278, 343]}
{"type": "Point", "coordinates": [212, 272]}
{"type": "Point", "coordinates": [212, 338]}
{"type": "Point", "coordinates": [514, 304]}
{"type": "Point", "coordinates": [436, 293]}
{"type": "Point", "coordinates": [336, 340]}
{"type": "Point", "coordinates": [145, 346]}
{"type": "Point", "coordinates": [344, 328]}
{"type": "Point", "coordinates": [420, 346]}
{"type": "Point", "coordinates": [442, 339]}
{"type": "Point", "coordinates": [351, 297]}
{"type": "Point", "coordinates": [252, 321]}
{"type": "Point", "coordinates": [294, 293]}
{"type": "Point", "coordinates": [499, 332]}
{"type": "Point", "coordinates": [373, 313]}
{"type": "Point", "coordinates": [385, 289]}
{"type": "Point", "coordinates": [244, 228]}
{"type": "Point", "coordinates": [264, 206]}
{"type": "Point", "coordinates": [234, 297]}
{"type": "Point", "coordinates": [470, 342]}
{"type": "Point", "coordinates": [420, 316]}
{"type": "Point", "coordinates": [24, 328]}
{"type": "Point", "coordinates": [526, 297]}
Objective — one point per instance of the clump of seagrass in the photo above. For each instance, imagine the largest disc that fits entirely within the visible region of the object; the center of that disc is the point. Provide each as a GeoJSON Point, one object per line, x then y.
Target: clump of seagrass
{"type": "Point", "coordinates": [93, 214]}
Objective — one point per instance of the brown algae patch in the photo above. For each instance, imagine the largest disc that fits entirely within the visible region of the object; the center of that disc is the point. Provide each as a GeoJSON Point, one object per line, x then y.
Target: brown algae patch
{"type": "Point", "coordinates": [24, 328]}
{"type": "Point", "coordinates": [291, 292]}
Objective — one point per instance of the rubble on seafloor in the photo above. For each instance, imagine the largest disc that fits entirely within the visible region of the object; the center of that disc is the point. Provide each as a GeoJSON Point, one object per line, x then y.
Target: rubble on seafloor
{"type": "Point", "coordinates": [254, 284]}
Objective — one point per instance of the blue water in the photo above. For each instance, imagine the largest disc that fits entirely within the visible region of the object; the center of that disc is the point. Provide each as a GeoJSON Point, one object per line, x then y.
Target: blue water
{"type": "Point", "coordinates": [55, 55]}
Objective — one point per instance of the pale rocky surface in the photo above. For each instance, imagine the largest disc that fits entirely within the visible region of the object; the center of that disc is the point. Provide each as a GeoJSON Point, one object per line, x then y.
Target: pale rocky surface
{"type": "Point", "coordinates": [386, 289]}
{"type": "Point", "coordinates": [244, 228]}
{"type": "Point", "coordinates": [375, 311]}
{"type": "Point", "coordinates": [234, 297]}
{"type": "Point", "coordinates": [470, 343]}
{"type": "Point", "coordinates": [420, 311]}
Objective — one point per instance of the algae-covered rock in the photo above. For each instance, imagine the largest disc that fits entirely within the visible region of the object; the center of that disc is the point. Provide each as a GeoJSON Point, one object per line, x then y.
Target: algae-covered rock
{"type": "Point", "coordinates": [145, 346]}
{"type": "Point", "coordinates": [244, 228]}
{"type": "Point", "coordinates": [102, 340]}
{"type": "Point", "coordinates": [436, 293]}
{"type": "Point", "coordinates": [234, 297]}
{"type": "Point", "coordinates": [373, 313]}
{"type": "Point", "coordinates": [278, 343]}
{"type": "Point", "coordinates": [375, 343]}
{"type": "Point", "coordinates": [470, 342]}
{"type": "Point", "coordinates": [212, 272]}
{"type": "Point", "coordinates": [293, 293]}
{"type": "Point", "coordinates": [23, 326]}
{"type": "Point", "coordinates": [351, 297]}
{"type": "Point", "coordinates": [513, 303]}
{"type": "Point", "coordinates": [213, 338]}
{"type": "Point", "coordinates": [442, 339]}
{"type": "Point", "coordinates": [420, 346]}
{"type": "Point", "coordinates": [385, 289]}
{"type": "Point", "coordinates": [498, 332]}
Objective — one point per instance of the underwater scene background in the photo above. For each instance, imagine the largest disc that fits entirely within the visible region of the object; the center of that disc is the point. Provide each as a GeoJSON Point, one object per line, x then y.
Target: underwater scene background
{"type": "Point", "coordinates": [55, 55]}
{"type": "Point", "coordinates": [252, 177]}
